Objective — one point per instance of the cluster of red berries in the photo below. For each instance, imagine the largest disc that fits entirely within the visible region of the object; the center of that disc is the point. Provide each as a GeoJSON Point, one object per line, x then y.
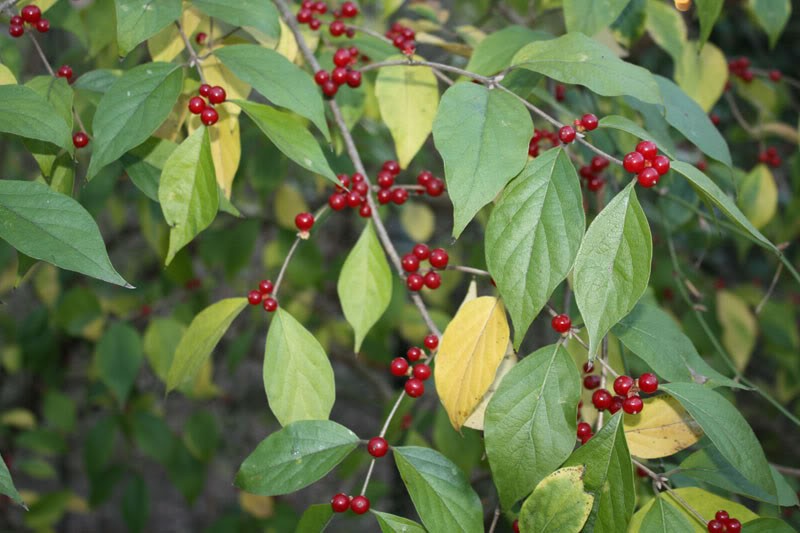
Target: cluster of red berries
{"type": "Point", "coordinates": [770, 157]}
{"type": "Point", "coordinates": [415, 386]}
{"type": "Point", "coordinates": [740, 67]}
{"type": "Point", "coordinates": [591, 173]}
{"type": "Point", "coordinates": [437, 258]}
{"type": "Point", "coordinates": [538, 137]}
{"type": "Point", "coordinates": [262, 296]}
{"type": "Point", "coordinates": [341, 74]}
{"type": "Point", "coordinates": [31, 15]}
{"type": "Point", "coordinates": [646, 164]}
{"type": "Point", "coordinates": [590, 381]}
{"type": "Point", "coordinates": [627, 390]}
{"type": "Point", "coordinates": [567, 134]}
{"type": "Point", "coordinates": [433, 185]}
{"type": "Point", "coordinates": [342, 502]}
{"type": "Point", "coordinates": [355, 197]}
{"type": "Point", "coordinates": [724, 523]}
{"type": "Point", "coordinates": [308, 9]}
{"type": "Point", "coordinates": [198, 106]}
{"type": "Point", "coordinates": [561, 323]}
{"type": "Point", "coordinates": [402, 38]}
{"type": "Point", "coordinates": [388, 193]}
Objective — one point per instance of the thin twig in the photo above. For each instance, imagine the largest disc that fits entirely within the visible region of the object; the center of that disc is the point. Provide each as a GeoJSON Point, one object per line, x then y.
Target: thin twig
{"type": "Point", "coordinates": [469, 270]}
{"type": "Point", "coordinates": [662, 482]}
{"type": "Point", "coordinates": [788, 470]}
{"type": "Point", "coordinates": [41, 54]}
{"type": "Point", "coordinates": [737, 114]}
{"type": "Point", "coordinates": [285, 264]}
{"type": "Point", "coordinates": [495, 519]}
{"type": "Point", "coordinates": [439, 74]}
{"type": "Point", "coordinates": [370, 31]}
{"type": "Point", "coordinates": [771, 289]}
{"type": "Point", "coordinates": [439, 66]}
{"type": "Point", "coordinates": [194, 61]}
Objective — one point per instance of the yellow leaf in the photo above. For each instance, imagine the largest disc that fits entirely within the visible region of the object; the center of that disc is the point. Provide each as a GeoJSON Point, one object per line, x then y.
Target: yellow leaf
{"type": "Point", "coordinates": [704, 502]}
{"type": "Point", "coordinates": [475, 420]}
{"type": "Point", "coordinates": [702, 75]}
{"type": "Point", "coordinates": [218, 74]}
{"type": "Point", "coordinates": [168, 43]}
{"type": "Point", "coordinates": [758, 196]}
{"type": "Point", "coordinates": [662, 429]}
{"type": "Point", "coordinates": [46, 284]}
{"type": "Point", "coordinates": [18, 418]}
{"type": "Point", "coordinates": [739, 327]}
{"type": "Point", "coordinates": [226, 145]}
{"type": "Point", "coordinates": [256, 505]}
{"type": "Point", "coordinates": [6, 76]}
{"type": "Point", "coordinates": [408, 98]}
{"type": "Point", "coordinates": [77, 504]}
{"type": "Point", "coordinates": [288, 203]}
{"type": "Point", "coordinates": [418, 220]}
{"type": "Point", "coordinates": [471, 349]}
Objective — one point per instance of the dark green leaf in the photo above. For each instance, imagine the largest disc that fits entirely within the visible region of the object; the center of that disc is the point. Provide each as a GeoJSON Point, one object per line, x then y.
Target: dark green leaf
{"type": "Point", "coordinates": [119, 357]}
{"type": "Point", "coordinates": [144, 164]}
{"type": "Point", "coordinates": [708, 11]}
{"type": "Point", "coordinates": [260, 15]}
{"type": "Point", "coordinates": [495, 52]}
{"type": "Point", "coordinates": [135, 504]}
{"type": "Point", "coordinates": [7, 487]}
{"type": "Point", "coordinates": [201, 435]}
{"type": "Point", "coordinates": [138, 20]}
{"type": "Point", "coordinates": [28, 114]}
{"type": "Point", "coordinates": [627, 125]}
{"type": "Point", "coordinates": [390, 523]}
{"type": "Point", "coordinates": [315, 519]}
{"type": "Point", "coordinates": [767, 525]}
{"type": "Point", "coordinates": [772, 16]}
{"type": "Point", "coordinates": [591, 16]}
{"type": "Point", "coordinates": [663, 517]}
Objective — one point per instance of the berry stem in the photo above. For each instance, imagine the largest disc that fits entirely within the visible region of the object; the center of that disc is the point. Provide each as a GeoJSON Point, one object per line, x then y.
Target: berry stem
{"type": "Point", "coordinates": [495, 519]}
{"type": "Point", "coordinates": [285, 265]}
{"type": "Point", "coordinates": [194, 61]}
{"type": "Point", "coordinates": [486, 80]}
{"type": "Point", "coordinates": [468, 270]}
{"type": "Point", "coordinates": [737, 114]}
{"type": "Point", "coordinates": [771, 289]}
{"type": "Point", "coordinates": [662, 482]}
{"type": "Point", "coordinates": [41, 53]}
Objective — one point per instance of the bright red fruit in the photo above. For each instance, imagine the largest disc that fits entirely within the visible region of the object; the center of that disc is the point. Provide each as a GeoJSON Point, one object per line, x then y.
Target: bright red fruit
{"type": "Point", "coordinates": [415, 282]}
{"type": "Point", "coordinates": [415, 387]}
{"type": "Point", "coordinates": [648, 177]}
{"type": "Point", "coordinates": [648, 149]}
{"type": "Point", "coordinates": [733, 526]}
{"type": "Point", "coordinates": [623, 384]}
{"type": "Point", "coordinates": [661, 164]}
{"type": "Point", "coordinates": [342, 57]}
{"type": "Point", "coordinates": [566, 134]}
{"type": "Point", "coordinates": [399, 366]}
{"type": "Point", "coordinates": [217, 95]}
{"type": "Point", "coordinates": [601, 399]}
{"type": "Point", "coordinates": [31, 14]}
{"type": "Point", "coordinates": [265, 286]}
{"type": "Point", "coordinates": [715, 526]}
{"type": "Point", "coordinates": [410, 263]}
{"type": "Point", "coordinates": [360, 504]}
{"type": "Point", "coordinates": [196, 105]}
{"type": "Point", "coordinates": [391, 166]}
{"type": "Point", "coordinates": [421, 251]}
{"type": "Point", "coordinates": [209, 116]}
{"type": "Point", "coordinates": [633, 162]}
{"type": "Point", "coordinates": [591, 382]}
{"type": "Point", "coordinates": [439, 258]}
{"type": "Point", "coordinates": [43, 26]}
{"type": "Point", "coordinates": [648, 383]}
{"type": "Point", "coordinates": [329, 88]}
{"type": "Point", "coordinates": [65, 72]}
{"type": "Point", "coordinates": [589, 121]}
{"type": "Point", "coordinates": [304, 221]}
{"type": "Point", "coordinates": [431, 341]}
{"type": "Point", "coordinates": [340, 503]}
{"type": "Point", "coordinates": [433, 280]}
{"type": "Point", "coordinates": [633, 405]}
{"type": "Point", "coordinates": [204, 89]}
{"type": "Point", "coordinates": [354, 79]}
{"type": "Point", "coordinates": [414, 353]}
{"type": "Point", "coordinates": [584, 430]}
{"type": "Point", "coordinates": [270, 304]}
{"type": "Point", "coordinates": [399, 196]}
{"type": "Point", "coordinates": [349, 10]}
{"type": "Point", "coordinates": [435, 187]}
{"type": "Point", "coordinates": [254, 297]}
{"type": "Point", "coordinates": [561, 323]}
{"type": "Point", "coordinates": [377, 446]}
{"type": "Point", "coordinates": [422, 371]}
{"type": "Point", "coordinates": [16, 30]}
{"type": "Point", "coordinates": [80, 139]}
{"type": "Point", "coordinates": [200, 38]}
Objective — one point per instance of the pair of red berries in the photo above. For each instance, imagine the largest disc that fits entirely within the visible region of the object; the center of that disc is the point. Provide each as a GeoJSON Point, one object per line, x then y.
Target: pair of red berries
{"type": "Point", "coordinates": [342, 74]}
{"type": "Point", "coordinates": [30, 15]}
{"type": "Point", "coordinates": [627, 397]}
{"type": "Point", "coordinates": [770, 157]}
{"type": "Point", "coordinates": [402, 38]}
{"type": "Point", "coordinates": [355, 197]}
{"type": "Point", "coordinates": [723, 523]}
{"type": "Point", "coordinates": [342, 502]}
{"type": "Point", "coordinates": [591, 381]}
{"type": "Point", "coordinates": [437, 258]}
{"type": "Point", "coordinates": [590, 173]}
{"type": "Point", "coordinates": [567, 134]}
{"type": "Point", "coordinates": [197, 104]}
{"type": "Point", "coordinates": [646, 164]}
{"type": "Point", "coordinates": [433, 186]}
{"type": "Point", "coordinates": [538, 137]}
{"type": "Point", "coordinates": [262, 296]}
{"type": "Point", "coordinates": [304, 222]}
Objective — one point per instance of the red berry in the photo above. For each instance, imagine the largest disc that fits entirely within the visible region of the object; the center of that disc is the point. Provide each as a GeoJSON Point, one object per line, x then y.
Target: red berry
{"type": "Point", "coordinates": [307, 4]}
{"type": "Point", "coordinates": [209, 116]}
{"type": "Point", "coordinates": [601, 399]}
{"type": "Point", "coordinates": [217, 95]}
{"type": "Point", "coordinates": [414, 353]}
{"type": "Point", "coordinates": [399, 366]}
{"type": "Point", "coordinates": [648, 383]}
{"type": "Point", "coordinates": [598, 163]}
{"type": "Point", "coordinates": [661, 164]}
{"type": "Point", "coordinates": [515, 526]}
{"type": "Point", "coordinates": [358, 177]}
{"type": "Point", "coordinates": [595, 183]}
{"type": "Point", "coordinates": [65, 72]}
{"type": "Point", "coordinates": [410, 263]}
{"type": "Point", "coordinates": [377, 446]}
{"type": "Point", "coordinates": [321, 76]}
{"type": "Point", "coordinates": [204, 89]}
{"type": "Point", "coordinates": [354, 78]}
{"type": "Point", "coordinates": [385, 179]}
{"type": "Point", "coordinates": [342, 57]}
{"type": "Point", "coordinates": [715, 120]}
{"type": "Point", "coordinates": [439, 258]}
{"type": "Point", "coordinates": [351, 32]}
{"type": "Point", "coordinates": [715, 526]}
{"type": "Point", "coordinates": [16, 30]}
{"type": "Point", "coordinates": [360, 504]}
{"type": "Point", "coordinates": [31, 14]}
{"type": "Point", "coordinates": [80, 139]}
{"type": "Point", "coordinates": [566, 134]}
{"type": "Point", "coordinates": [616, 404]}
{"type": "Point", "coordinates": [421, 251]}
{"type": "Point", "coordinates": [588, 367]}
{"type": "Point", "coordinates": [304, 16]}
{"type": "Point", "coordinates": [365, 211]}
{"type": "Point", "coordinates": [433, 280]}
{"type": "Point", "coordinates": [560, 92]}
{"type": "Point", "coordinates": [648, 177]}
{"type": "Point", "coordinates": [584, 430]}
{"type": "Point", "coordinates": [320, 7]}
{"type": "Point", "coordinates": [254, 297]}
{"type": "Point", "coordinates": [315, 24]}
{"type": "Point", "coordinates": [16, 20]}
{"type": "Point", "coordinates": [747, 76]}
{"type": "Point", "coordinates": [422, 371]}
{"type": "Point", "coordinates": [424, 178]}
{"type": "Point", "coordinates": [589, 121]}
{"type": "Point", "coordinates": [415, 387]}
{"type": "Point", "coordinates": [196, 105]}
{"type": "Point", "coordinates": [775, 75]}
{"type": "Point", "coordinates": [384, 196]}
{"type": "Point", "coordinates": [329, 89]}
{"type": "Point", "coordinates": [340, 503]}
{"type": "Point", "coordinates": [633, 162]}
{"type": "Point", "coordinates": [623, 384]}
{"type": "Point", "coordinates": [633, 405]}
{"type": "Point", "coordinates": [722, 515]}
{"type": "Point", "coordinates": [415, 282]}
{"type": "Point", "coordinates": [43, 26]}
{"type": "Point", "coordinates": [349, 10]}
{"type": "Point", "coordinates": [391, 166]}
{"type": "Point", "coordinates": [733, 526]}
{"type": "Point", "coordinates": [354, 199]}
{"type": "Point", "coordinates": [431, 341]}
{"type": "Point", "coordinates": [561, 323]}
{"type": "Point", "coordinates": [339, 75]}
{"type": "Point", "coordinates": [591, 382]}
{"type": "Point", "coordinates": [399, 196]}
{"type": "Point", "coordinates": [304, 221]}
{"type": "Point", "coordinates": [200, 38]}
{"type": "Point", "coordinates": [265, 286]}
{"type": "Point", "coordinates": [409, 47]}
{"type": "Point", "coordinates": [648, 149]}
{"type": "Point", "coordinates": [337, 28]}
{"type": "Point", "coordinates": [435, 187]}
{"type": "Point", "coordinates": [270, 304]}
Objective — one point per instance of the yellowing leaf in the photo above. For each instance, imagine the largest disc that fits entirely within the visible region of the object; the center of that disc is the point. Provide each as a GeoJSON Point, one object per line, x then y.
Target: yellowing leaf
{"type": "Point", "coordinates": [288, 203]}
{"type": "Point", "coordinates": [704, 502]}
{"type": "Point", "coordinates": [739, 327]}
{"type": "Point", "coordinates": [702, 75]}
{"type": "Point", "coordinates": [218, 74]}
{"type": "Point", "coordinates": [418, 220]}
{"type": "Point", "coordinates": [226, 145]}
{"type": "Point", "coordinates": [19, 418]}
{"type": "Point", "coordinates": [168, 43]}
{"type": "Point", "coordinates": [758, 196]}
{"type": "Point", "coordinates": [256, 505]}
{"type": "Point", "coordinates": [6, 76]}
{"type": "Point", "coordinates": [471, 349]}
{"type": "Point", "coordinates": [476, 419]}
{"type": "Point", "coordinates": [663, 429]}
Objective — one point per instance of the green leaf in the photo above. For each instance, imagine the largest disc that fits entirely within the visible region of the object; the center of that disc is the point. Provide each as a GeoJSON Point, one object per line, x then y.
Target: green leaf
{"type": "Point", "coordinates": [767, 525]}
{"type": "Point", "coordinates": [138, 20]}
{"type": "Point", "coordinates": [365, 284]}
{"type": "Point", "coordinates": [28, 114]}
{"type": "Point", "coordinates": [119, 357]}
{"type": "Point", "coordinates": [708, 12]}
{"type": "Point", "coordinates": [530, 422]}
{"type": "Point", "coordinates": [390, 523]}
{"type": "Point", "coordinates": [758, 196]}
{"type": "Point", "coordinates": [196, 345]}
{"type": "Point", "coordinates": [290, 136]}
{"type": "Point", "coordinates": [7, 487]}
{"type": "Point", "coordinates": [663, 517]}
{"type": "Point", "coordinates": [295, 457]}
{"type": "Point", "coordinates": [772, 16]}
{"type": "Point", "coordinates": [621, 123]}
{"type": "Point", "coordinates": [612, 268]}
{"type": "Point", "coordinates": [135, 504]}
{"type": "Point", "coordinates": [559, 504]}
{"type": "Point", "coordinates": [533, 235]}
{"type": "Point", "coordinates": [59, 94]}
{"type": "Point", "coordinates": [575, 58]}
{"type": "Point", "coordinates": [591, 16]}
{"type": "Point", "coordinates": [144, 164]}
{"type": "Point", "coordinates": [131, 110]}
{"type": "Point", "coordinates": [495, 52]}
{"type": "Point", "coordinates": [609, 475]}
{"type": "Point", "coordinates": [298, 377]}
{"type": "Point", "coordinates": [686, 116]}
{"type": "Point", "coordinates": [315, 519]}
{"type": "Point", "coordinates": [187, 191]}
{"type": "Point", "coordinates": [727, 429]}
{"type": "Point", "coordinates": [254, 13]}
{"type": "Point", "coordinates": [658, 340]}
{"type": "Point", "coordinates": [464, 447]}
{"type": "Point", "coordinates": [711, 192]}
{"type": "Point", "coordinates": [278, 79]}
{"type": "Point", "coordinates": [441, 493]}
{"type": "Point", "coordinates": [666, 26]}
{"type": "Point", "coordinates": [53, 227]}
{"type": "Point", "coordinates": [408, 98]}
{"type": "Point", "coordinates": [482, 135]}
